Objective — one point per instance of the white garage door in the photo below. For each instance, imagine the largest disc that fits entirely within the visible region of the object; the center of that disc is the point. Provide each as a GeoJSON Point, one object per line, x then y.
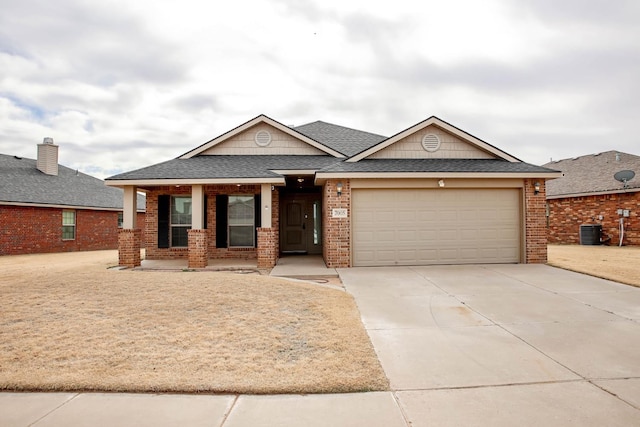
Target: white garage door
{"type": "Point", "coordinates": [436, 226]}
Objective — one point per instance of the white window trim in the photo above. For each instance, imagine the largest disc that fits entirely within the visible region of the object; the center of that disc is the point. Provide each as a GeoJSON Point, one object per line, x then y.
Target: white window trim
{"type": "Point", "coordinates": [252, 225]}
{"type": "Point", "coordinates": [172, 225]}
{"type": "Point", "coordinates": [75, 220]}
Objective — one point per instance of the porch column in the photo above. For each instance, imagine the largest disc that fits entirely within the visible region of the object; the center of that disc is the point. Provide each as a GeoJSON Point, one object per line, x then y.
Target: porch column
{"type": "Point", "coordinates": [198, 239]}
{"type": "Point", "coordinates": [265, 196]}
{"type": "Point", "coordinates": [267, 235]}
{"type": "Point", "coordinates": [130, 207]}
{"type": "Point", "coordinates": [129, 236]}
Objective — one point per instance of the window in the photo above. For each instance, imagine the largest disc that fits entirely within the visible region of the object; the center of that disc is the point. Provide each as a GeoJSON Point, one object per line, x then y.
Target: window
{"type": "Point", "coordinates": [241, 221]}
{"type": "Point", "coordinates": [120, 219]}
{"type": "Point", "coordinates": [180, 220]}
{"type": "Point", "coordinates": [68, 225]}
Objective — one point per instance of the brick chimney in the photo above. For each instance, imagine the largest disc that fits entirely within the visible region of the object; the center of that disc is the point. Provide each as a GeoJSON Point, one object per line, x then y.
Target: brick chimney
{"type": "Point", "coordinates": [48, 157]}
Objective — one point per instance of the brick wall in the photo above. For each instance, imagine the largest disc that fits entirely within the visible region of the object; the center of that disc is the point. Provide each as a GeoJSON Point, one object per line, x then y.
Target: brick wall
{"type": "Point", "coordinates": [26, 230]}
{"type": "Point", "coordinates": [568, 214]}
{"type": "Point", "coordinates": [535, 223]}
{"type": "Point", "coordinates": [336, 238]}
{"type": "Point", "coordinates": [211, 191]}
{"type": "Point", "coordinates": [151, 225]}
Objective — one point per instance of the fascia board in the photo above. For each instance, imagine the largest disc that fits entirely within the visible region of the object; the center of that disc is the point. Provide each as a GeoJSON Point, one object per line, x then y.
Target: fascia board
{"type": "Point", "coordinates": [294, 171]}
{"type": "Point", "coordinates": [53, 206]}
{"type": "Point", "coordinates": [520, 175]}
{"type": "Point", "coordinates": [595, 193]}
{"type": "Point", "coordinates": [203, 181]}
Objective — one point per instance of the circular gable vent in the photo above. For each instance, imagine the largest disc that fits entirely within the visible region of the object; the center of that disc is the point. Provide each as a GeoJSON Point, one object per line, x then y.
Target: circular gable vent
{"type": "Point", "coordinates": [263, 138]}
{"type": "Point", "coordinates": [431, 142]}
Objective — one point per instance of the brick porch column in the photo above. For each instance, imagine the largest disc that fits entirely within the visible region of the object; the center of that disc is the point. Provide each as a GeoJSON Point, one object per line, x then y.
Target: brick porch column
{"type": "Point", "coordinates": [536, 222]}
{"type": "Point", "coordinates": [129, 247]}
{"type": "Point", "coordinates": [267, 247]}
{"type": "Point", "coordinates": [198, 248]}
{"type": "Point", "coordinates": [336, 245]}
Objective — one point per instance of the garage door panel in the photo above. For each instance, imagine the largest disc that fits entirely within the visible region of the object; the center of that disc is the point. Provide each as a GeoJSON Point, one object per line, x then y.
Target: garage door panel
{"type": "Point", "coordinates": [450, 226]}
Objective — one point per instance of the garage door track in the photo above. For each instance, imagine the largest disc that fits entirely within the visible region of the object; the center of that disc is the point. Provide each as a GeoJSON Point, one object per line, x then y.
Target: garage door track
{"type": "Point", "coordinates": [503, 344]}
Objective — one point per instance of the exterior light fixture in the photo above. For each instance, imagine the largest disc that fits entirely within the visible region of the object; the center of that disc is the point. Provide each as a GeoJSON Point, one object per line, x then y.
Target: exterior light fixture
{"type": "Point", "coordinates": [339, 188]}
{"type": "Point", "coordinates": [441, 183]}
{"type": "Point", "coordinates": [536, 188]}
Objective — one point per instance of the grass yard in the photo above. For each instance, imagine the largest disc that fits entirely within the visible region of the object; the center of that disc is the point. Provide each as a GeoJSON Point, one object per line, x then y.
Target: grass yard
{"type": "Point", "coordinates": [68, 323]}
{"type": "Point", "coordinates": [620, 264]}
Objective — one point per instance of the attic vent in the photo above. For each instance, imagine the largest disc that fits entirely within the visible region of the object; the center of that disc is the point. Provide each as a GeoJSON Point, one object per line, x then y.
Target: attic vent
{"type": "Point", "coordinates": [431, 142]}
{"type": "Point", "coordinates": [263, 138]}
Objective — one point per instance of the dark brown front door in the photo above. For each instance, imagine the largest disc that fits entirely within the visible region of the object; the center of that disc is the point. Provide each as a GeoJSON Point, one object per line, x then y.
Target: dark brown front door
{"type": "Point", "coordinates": [301, 224]}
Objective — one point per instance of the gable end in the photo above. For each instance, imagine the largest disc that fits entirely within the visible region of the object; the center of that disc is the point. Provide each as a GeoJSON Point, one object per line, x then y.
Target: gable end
{"type": "Point", "coordinates": [460, 144]}
{"type": "Point", "coordinates": [432, 142]}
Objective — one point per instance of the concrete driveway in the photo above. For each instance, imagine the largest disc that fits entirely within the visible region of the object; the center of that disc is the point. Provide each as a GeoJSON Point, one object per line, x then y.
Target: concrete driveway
{"type": "Point", "coordinates": [504, 344]}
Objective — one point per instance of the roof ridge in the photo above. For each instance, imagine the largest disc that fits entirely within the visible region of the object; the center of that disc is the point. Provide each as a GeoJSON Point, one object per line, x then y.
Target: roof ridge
{"type": "Point", "coordinates": [340, 126]}
{"type": "Point", "coordinates": [592, 155]}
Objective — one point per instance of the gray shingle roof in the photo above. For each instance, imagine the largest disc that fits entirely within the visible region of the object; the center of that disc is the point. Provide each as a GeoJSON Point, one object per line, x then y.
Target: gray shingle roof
{"type": "Point", "coordinates": [592, 173]}
{"type": "Point", "coordinates": [342, 139]}
{"type": "Point", "coordinates": [22, 182]}
{"type": "Point", "coordinates": [212, 167]}
{"type": "Point", "coordinates": [339, 138]}
{"type": "Point", "coordinates": [436, 165]}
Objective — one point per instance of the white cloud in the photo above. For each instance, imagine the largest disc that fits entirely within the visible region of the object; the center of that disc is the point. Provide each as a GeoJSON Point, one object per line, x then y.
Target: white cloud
{"type": "Point", "coordinates": [121, 85]}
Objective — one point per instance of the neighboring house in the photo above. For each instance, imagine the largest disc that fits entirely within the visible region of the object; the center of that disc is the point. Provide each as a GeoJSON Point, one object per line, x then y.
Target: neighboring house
{"type": "Point", "coordinates": [46, 207]}
{"type": "Point", "coordinates": [588, 193]}
{"type": "Point", "coordinates": [431, 194]}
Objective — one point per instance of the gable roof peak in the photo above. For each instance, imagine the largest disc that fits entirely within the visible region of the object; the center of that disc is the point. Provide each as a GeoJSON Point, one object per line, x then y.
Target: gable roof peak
{"type": "Point", "coordinates": [445, 126]}
{"type": "Point", "coordinates": [261, 118]}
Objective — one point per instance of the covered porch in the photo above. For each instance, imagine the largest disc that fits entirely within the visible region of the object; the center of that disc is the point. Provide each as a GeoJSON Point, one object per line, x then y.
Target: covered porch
{"type": "Point", "coordinates": [223, 224]}
{"type": "Point", "coordinates": [190, 224]}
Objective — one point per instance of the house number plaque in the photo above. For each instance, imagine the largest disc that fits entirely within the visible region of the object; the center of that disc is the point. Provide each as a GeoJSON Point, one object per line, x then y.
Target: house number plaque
{"type": "Point", "coordinates": [339, 213]}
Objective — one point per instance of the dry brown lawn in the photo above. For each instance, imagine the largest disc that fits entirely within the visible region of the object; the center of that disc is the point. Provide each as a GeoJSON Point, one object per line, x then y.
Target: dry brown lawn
{"type": "Point", "coordinates": [67, 322]}
{"type": "Point", "coordinates": [621, 264]}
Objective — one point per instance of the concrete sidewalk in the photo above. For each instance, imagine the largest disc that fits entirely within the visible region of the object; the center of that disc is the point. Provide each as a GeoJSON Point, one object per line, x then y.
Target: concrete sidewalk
{"type": "Point", "coordinates": [501, 345]}
{"type": "Point", "coordinates": [147, 410]}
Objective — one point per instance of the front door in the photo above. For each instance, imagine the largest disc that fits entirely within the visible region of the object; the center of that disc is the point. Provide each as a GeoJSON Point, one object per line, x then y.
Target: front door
{"type": "Point", "coordinates": [300, 224]}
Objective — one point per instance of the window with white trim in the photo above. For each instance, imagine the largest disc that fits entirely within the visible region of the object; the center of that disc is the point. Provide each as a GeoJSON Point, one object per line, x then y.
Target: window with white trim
{"type": "Point", "coordinates": [180, 221]}
{"type": "Point", "coordinates": [241, 221]}
{"type": "Point", "coordinates": [68, 225]}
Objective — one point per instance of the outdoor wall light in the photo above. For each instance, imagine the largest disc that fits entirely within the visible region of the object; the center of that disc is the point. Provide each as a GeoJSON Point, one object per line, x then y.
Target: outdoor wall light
{"type": "Point", "coordinates": [441, 183]}
{"type": "Point", "coordinates": [339, 188]}
{"type": "Point", "coordinates": [536, 187]}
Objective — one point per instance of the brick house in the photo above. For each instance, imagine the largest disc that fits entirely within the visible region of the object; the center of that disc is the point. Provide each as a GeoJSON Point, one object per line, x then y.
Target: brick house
{"type": "Point", "coordinates": [46, 207]}
{"type": "Point", "coordinates": [431, 194]}
{"type": "Point", "coordinates": [587, 193]}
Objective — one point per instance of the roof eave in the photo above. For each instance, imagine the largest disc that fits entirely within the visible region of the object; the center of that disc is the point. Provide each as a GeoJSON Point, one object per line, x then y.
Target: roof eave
{"type": "Point", "coordinates": [592, 193]}
{"type": "Point", "coordinates": [322, 176]}
{"type": "Point", "coordinates": [194, 181]}
{"type": "Point", "coordinates": [62, 206]}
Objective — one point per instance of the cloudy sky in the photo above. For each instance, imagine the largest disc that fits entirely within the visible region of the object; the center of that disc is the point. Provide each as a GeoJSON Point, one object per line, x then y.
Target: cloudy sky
{"type": "Point", "coordinates": [120, 85]}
